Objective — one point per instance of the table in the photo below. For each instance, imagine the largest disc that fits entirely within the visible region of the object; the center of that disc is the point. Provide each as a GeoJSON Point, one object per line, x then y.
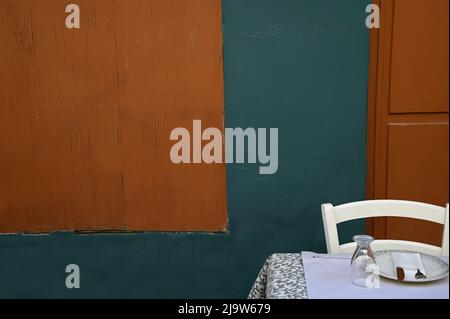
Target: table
{"type": "Point", "coordinates": [320, 276]}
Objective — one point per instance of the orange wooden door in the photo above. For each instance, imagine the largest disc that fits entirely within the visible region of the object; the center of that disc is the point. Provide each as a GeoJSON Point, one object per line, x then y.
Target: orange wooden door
{"type": "Point", "coordinates": [86, 115]}
{"type": "Point", "coordinates": [408, 140]}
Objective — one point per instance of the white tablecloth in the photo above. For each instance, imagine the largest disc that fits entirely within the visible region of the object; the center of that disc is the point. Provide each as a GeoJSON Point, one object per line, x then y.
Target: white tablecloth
{"type": "Point", "coordinates": [329, 278]}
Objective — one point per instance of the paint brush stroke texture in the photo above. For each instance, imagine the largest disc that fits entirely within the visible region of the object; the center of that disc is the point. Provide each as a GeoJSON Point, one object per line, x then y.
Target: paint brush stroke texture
{"type": "Point", "coordinates": [87, 115]}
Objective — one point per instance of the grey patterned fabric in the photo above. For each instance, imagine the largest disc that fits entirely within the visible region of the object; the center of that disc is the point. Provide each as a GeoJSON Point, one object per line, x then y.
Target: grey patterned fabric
{"type": "Point", "coordinates": [281, 277]}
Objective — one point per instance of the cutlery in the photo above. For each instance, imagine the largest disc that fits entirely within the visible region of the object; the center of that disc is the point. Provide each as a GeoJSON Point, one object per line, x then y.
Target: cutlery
{"type": "Point", "coordinates": [420, 275]}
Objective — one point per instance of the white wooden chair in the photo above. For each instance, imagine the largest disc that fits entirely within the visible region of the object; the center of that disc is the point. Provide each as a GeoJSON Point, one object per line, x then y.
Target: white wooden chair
{"type": "Point", "coordinates": [333, 215]}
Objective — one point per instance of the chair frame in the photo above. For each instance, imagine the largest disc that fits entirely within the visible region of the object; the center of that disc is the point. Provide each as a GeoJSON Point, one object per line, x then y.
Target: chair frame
{"type": "Point", "coordinates": [334, 215]}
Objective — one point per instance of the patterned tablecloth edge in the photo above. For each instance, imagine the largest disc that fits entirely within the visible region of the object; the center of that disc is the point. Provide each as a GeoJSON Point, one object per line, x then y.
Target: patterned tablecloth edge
{"type": "Point", "coordinates": [281, 277]}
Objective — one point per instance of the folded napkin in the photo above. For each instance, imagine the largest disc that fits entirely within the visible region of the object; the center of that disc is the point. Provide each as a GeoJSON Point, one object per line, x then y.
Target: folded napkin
{"type": "Point", "coordinates": [409, 266]}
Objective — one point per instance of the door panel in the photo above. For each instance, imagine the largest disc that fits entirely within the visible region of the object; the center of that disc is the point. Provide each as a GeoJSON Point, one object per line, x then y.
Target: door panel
{"type": "Point", "coordinates": [417, 167]}
{"type": "Point", "coordinates": [419, 68]}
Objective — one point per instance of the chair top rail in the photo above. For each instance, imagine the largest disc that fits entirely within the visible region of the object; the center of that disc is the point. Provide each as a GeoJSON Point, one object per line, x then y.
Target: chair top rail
{"type": "Point", "coordinates": [389, 208]}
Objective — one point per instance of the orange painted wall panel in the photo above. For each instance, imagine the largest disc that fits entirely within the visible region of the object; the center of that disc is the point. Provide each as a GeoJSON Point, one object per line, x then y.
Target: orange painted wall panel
{"type": "Point", "coordinates": [85, 115]}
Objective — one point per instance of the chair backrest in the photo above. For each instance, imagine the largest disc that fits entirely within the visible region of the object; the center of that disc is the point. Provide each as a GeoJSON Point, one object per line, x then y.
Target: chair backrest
{"type": "Point", "coordinates": [333, 215]}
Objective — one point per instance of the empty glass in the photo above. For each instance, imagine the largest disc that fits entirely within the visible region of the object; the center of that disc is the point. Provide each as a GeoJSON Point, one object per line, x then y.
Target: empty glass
{"type": "Point", "coordinates": [363, 261]}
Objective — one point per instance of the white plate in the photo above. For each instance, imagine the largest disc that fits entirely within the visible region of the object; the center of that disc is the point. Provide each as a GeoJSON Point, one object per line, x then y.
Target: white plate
{"type": "Point", "coordinates": [435, 267]}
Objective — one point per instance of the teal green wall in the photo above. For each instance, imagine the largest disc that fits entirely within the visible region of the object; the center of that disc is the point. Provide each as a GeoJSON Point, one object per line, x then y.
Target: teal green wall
{"type": "Point", "coordinates": [299, 65]}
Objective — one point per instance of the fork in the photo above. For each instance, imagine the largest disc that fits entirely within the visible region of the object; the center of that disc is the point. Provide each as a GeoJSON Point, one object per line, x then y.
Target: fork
{"type": "Point", "coordinates": [420, 275]}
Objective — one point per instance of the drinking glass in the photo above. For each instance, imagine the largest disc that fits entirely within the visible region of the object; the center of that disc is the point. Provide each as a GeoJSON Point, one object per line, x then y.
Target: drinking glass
{"type": "Point", "coordinates": [362, 260]}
